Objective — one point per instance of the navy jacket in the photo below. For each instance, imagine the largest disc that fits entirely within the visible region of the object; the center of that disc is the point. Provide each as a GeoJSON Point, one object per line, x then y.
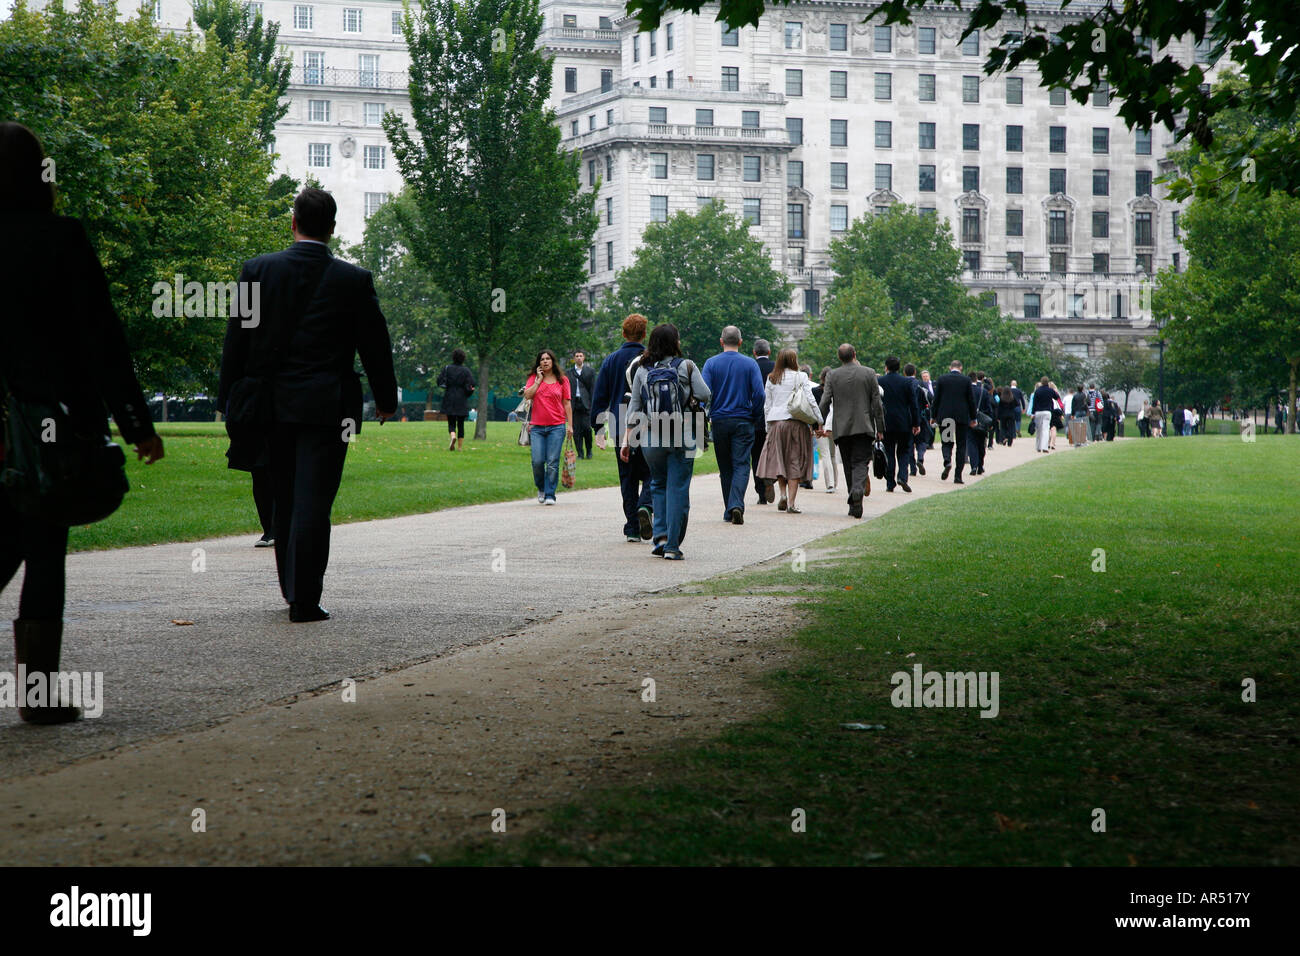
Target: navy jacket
{"type": "Point", "coordinates": [954, 397]}
{"type": "Point", "coordinates": [900, 402]}
{"type": "Point", "coordinates": [608, 396]}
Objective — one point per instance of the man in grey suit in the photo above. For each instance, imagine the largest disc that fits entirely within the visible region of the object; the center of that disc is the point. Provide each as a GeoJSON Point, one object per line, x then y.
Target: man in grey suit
{"type": "Point", "coordinates": [859, 418]}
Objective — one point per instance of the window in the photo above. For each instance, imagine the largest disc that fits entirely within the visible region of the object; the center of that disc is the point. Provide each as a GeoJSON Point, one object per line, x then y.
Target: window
{"type": "Point", "coordinates": [609, 167]}
{"type": "Point", "coordinates": [609, 256]}
{"type": "Point", "coordinates": [606, 80]}
{"type": "Point", "coordinates": [1144, 182]}
{"type": "Point", "coordinates": [313, 68]}
{"type": "Point", "coordinates": [970, 136]}
{"type": "Point", "coordinates": [1101, 182]}
{"type": "Point", "coordinates": [1015, 139]}
{"type": "Point", "coordinates": [1056, 234]}
{"type": "Point", "coordinates": [749, 119]}
{"type": "Point", "coordinates": [925, 135]}
{"type": "Point", "coordinates": [1077, 304]}
{"type": "Point", "coordinates": [925, 40]}
{"type": "Point", "coordinates": [1015, 180]}
{"type": "Point", "coordinates": [1056, 181]}
{"type": "Point", "coordinates": [794, 173]}
{"type": "Point", "coordinates": [839, 217]}
{"type": "Point", "coordinates": [925, 179]}
{"type": "Point", "coordinates": [703, 117]}
{"type": "Point", "coordinates": [318, 111]}
{"type": "Point", "coordinates": [839, 84]}
{"type": "Point", "coordinates": [753, 169]}
{"type": "Point", "coordinates": [1015, 90]}
{"type": "Point", "coordinates": [1143, 142]}
{"type": "Point", "coordinates": [970, 260]}
{"type": "Point", "coordinates": [812, 301]}
{"type": "Point", "coordinates": [793, 36]}
{"type": "Point", "coordinates": [658, 208]}
{"type": "Point", "coordinates": [368, 69]}
{"type": "Point", "coordinates": [1173, 223]}
{"type": "Point", "coordinates": [884, 86]}
{"type": "Point", "coordinates": [351, 20]}
{"type": "Point", "coordinates": [839, 132]}
{"type": "Point", "coordinates": [1203, 54]}
{"type": "Point", "coordinates": [1143, 262]}
{"type": "Point", "coordinates": [658, 165]}
{"type": "Point", "coordinates": [573, 128]}
{"type": "Point", "coordinates": [970, 225]}
{"type": "Point", "coordinates": [927, 212]}
{"type": "Point", "coordinates": [658, 116]}
{"type": "Point", "coordinates": [1100, 263]}
{"type": "Point", "coordinates": [604, 23]}
{"type": "Point", "coordinates": [839, 175]}
{"type": "Point", "coordinates": [1142, 234]}
{"type": "Point", "coordinates": [925, 87]}
{"type": "Point", "coordinates": [373, 201]}
{"type": "Point", "coordinates": [1100, 139]}
{"type": "Point", "coordinates": [794, 220]}
{"type": "Point", "coordinates": [971, 45]}
{"type": "Point", "coordinates": [253, 8]}
{"type": "Point", "coordinates": [970, 89]}
{"type": "Point", "coordinates": [794, 255]}
{"type": "Point", "coordinates": [397, 22]}
{"type": "Point", "coordinates": [704, 166]}
{"type": "Point", "coordinates": [1056, 139]}
{"type": "Point", "coordinates": [591, 173]}
{"type": "Point", "coordinates": [1100, 224]}
{"type": "Point", "coordinates": [1056, 262]}
{"type": "Point", "coordinates": [372, 114]}
{"type": "Point", "coordinates": [754, 212]}
{"type": "Point", "coordinates": [669, 79]}
{"type": "Point", "coordinates": [1119, 305]}
{"type": "Point", "coordinates": [654, 42]}
{"type": "Point", "coordinates": [970, 179]}
{"type": "Point", "coordinates": [609, 211]}
{"type": "Point", "coordinates": [730, 37]}
{"type": "Point", "coordinates": [883, 39]}
{"type": "Point", "coordinates": [794, 128]}
{"type": "Point", "coordinates": [303, 18]}
{"type": "Point", "coordinates": [591, 258]}
{"type": "Point", "coordinates": [1033, 305]}
{"type": "Point", "coordinates": [318, 155]}
{"type": "Point", "coordinates": [1015, 222]}
{"type": "Point", "coordinates": [609, 118]}
{"type": "Point", "coordinates": [839, 37]}
{"type": "Point", "coordinates": [1056, 97]}
{"type": "Point", "coordinates": [884, 175]}
{"type": "Point", "coordinates": [654, 82]}
{"type": "Point", "coordinates": [1176, 259]}
{"type": "Point", "coordinates": [570, 20]}
{"type": "Point", "coordinates": [794, 82]}
{"type": "Point", "coordinates": [1016, 261]}
{"type": "Point", "coordinates": [591, 122]}
{"type": "Point", "coordinates": [636, 48]}
{"type": "Point", "coordinates": [731, 78]}
{"type": "Point", "coordinates": [1101, 95]}
{"type": "Point", "coordinates": [570, 80]}
{"type": "Point", "coordinates": [884, 134]}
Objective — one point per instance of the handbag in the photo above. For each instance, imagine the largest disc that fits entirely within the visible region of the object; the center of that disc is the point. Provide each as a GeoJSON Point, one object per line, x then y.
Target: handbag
{"type": "Point", "coordinates": [879, 463]}
{"type": "Point", "coordinates": [799, 406]}
{"type": "Point", "coordinates": [570, 468]}
{"type": "Point", "coordinates": [525, 412]}
{"type": "Point", "coordinates": [73, 478]}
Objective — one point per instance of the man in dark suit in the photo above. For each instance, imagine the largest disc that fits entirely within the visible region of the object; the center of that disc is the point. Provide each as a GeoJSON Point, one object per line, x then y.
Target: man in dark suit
{"type": "Point", "coordinates": [901, 422]}
{"type": "Point", "coordinates": [1022, 404]}
{"type": "Point", "coordinates": [762, 487]}
{"type": "Point", "coordinates": [293, 363]}
{"type": "Point", "coordinates": [582, 384]}
{"type": "Point", "coordinates": [859, 419]}
{"type": "Point", "coordinates": [925, 440]}
{"type": "Point", "coordinates": [609, 408]}
{"type": "Point", "coordinates": [954, 413]}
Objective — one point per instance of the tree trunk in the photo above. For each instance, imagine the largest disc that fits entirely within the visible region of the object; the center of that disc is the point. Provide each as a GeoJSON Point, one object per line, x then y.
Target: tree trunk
{"type": "Point", "coordinates": [480, 426]}
{"type": "Point", "coordinates": [164, 403]}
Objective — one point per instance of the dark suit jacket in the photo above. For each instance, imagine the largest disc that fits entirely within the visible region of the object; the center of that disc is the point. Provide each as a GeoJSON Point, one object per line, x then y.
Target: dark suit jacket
{"type": "Point", "coordinates": [60, 339]}
{"type": "Point", "coordinates": [900, 402]}
{"type": "Point", "coordinates": [855, 394]}
{"type": "Point", "coordinates": [610, 392]}
{"type": "Point", "coordinates": [765, 366]}
{"type": "Point", "coordinates": [582, 386]}
{"type": "Point", "coordinates": [457, 383]}
{"type": "Point", "coordinates": [315, 383]}
{"type": "Point", "coordinates": [954, 397]}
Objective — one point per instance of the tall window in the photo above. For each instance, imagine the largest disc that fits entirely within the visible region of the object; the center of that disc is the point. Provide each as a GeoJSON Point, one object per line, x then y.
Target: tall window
{"type": "Point", "coordinates": [1056, 234]}
{"type": "Point", "coordinates": [1015, 222]}
{"type": "Point", "coordinates": [794, 129]}
{"type": "Point", "coordinates": [794, 82]}
{"type": "Point", "coordinates": [731, 78]}
{"type": "Point", "coordinates": [654, 42]}
{"type": "Point", "coordinates": [793, 36]}
{"type": "Point", "coordinates": [730, 37]}
{"type": "Point", "coordinates": [668, 36]}
{"type": "Point", "coordinates": [925, 135]}
{"type": "Point", "coordinates": [313, 67]}
{"type": "Point", "coordinates": [372, 114]}
{"type": "Point", "coordinates": [1101, 182]}
{"type": "Point", "coordinates": [839, 175]}
{"type": "Point", "coordinates": [754, 211]}
{"type": "Point", "coordinates": [704, 166]}
{"type": "Point", "coordinates": [658, 208]}
{"type": "Point", "coordinates": [1033, 305]}
{"type": "Point", "coordinates": [970, 260]}
{"type": "Point", "coordinates": [1100, 139]}
{"type": "Point", "coordinates": [882, 39]}
{"type": "Point", "coordinates": [636, 48]}
{"type": "Point", "coordinates": [925, 179]}
{"type": "Point", "coordinates": [839, 132]}
{"type": "Point", "coordinates": [1015, 139]}
{"type": "Point", "coordinates": [1143, 142]}
{"type": "Point", "coordinates": [794, 173]}
{"type": "Point", "coordinates": [1144, 182]}
{"type": "Point", "coordinates": [839, 37]}
{"type": "Point", "coordinates": [1100, 224]}
{"type": "Point", "coordinates": [368, 69]}
{"type": "Point", "coordinates": [794, 220]}
{"type": "Point", "coordinates": [351, 20]}
{"type": "Point", "coordinates": [753, 169]}
{"type": "Point", "coordinates": [1101, 263]}
{"type": "Point", "coordinates": [397, 23]}
{"type": "Point", "coordinates": [1015, 180]}
{"type": "Point", "coordinates": [1058, 262]}
{"type": "Point", "coordinates": [970, 225]}
{"type": "Point", "coordinates": [839, 84]}
{"type": "Point", "coordinates": [609, 211]}
{"type": "Point", "coordinates": [839, 217]}
{"type": "Point", "coordinates": [970, 136]}
{"type": "Point", "coordinates": [884, 86]}
{"type": "Point", "coordinates": [925, 87]}
{"type": "Point", "coordinates": [1142, 234]}
{"type": "Point", "coordinates": [884, 176]}
{"type": "Point", "coordinates": [884, 134]}
{"type": "Point", "coordinates": [925, 40]}
{"type": "Point", "coordinates": [1101, 95]}
{"type": "Point", "coordinates": [570, 79]}
{"type": "Point", "coordinates": [1056, 181]}
{"type": "Point", "coordinates": [1015, 90]}
{"type": "Point", "coordinates": [1056, 139]}
{"type": "Point", "coordinates": [970, 179]}
{"type": "Point", "coordinates": [971, 45]}
{"type": "Point", "coordinates": [591, 173]}
{"type": "Point", "coordinates": [970, 89]}
{"type": "Point", "coordinates": [658, 165]}
{"type": "Point", "coordinates": [303, 17]}
{"type": "Point", "coordinates": [606, 80]}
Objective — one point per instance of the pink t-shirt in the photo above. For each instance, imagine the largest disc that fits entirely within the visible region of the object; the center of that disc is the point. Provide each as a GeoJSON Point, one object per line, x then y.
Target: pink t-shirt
{"type": "Point", "coordinates": [548, 403]}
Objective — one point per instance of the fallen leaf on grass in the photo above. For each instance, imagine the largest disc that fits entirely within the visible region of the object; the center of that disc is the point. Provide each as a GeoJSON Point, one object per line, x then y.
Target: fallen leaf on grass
{"type": "Point", "coordinates": [1006, 823]}
{"type": "Point", "coordinates": [179, 623]}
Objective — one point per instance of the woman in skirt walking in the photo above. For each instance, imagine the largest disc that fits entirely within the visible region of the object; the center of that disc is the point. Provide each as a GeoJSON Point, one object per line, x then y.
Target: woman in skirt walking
{"type": "Point", "coordinates": [787, 453]}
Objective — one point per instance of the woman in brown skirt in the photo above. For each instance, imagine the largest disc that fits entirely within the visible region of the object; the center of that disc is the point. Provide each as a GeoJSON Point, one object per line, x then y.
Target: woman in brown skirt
{"type": "Point", "coordinates": [787, 453]}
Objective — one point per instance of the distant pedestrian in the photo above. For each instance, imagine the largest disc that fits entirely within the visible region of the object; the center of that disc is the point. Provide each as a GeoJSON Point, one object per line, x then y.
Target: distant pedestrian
{"type": "Point", "coordinates": [1021, 404]}
{"type": "Point", "coordinates": [609, 410]}
{"type": "Point", "coordinates": [787, 454]}
{"type": "Point", "coordinates": [736, 385]}
{"type": "Point", "coordinates": [552, 422]}
{"type": "Point", "coordinates": [1155, 420]}
{"type": "Point", "coordinates": [955, 404]}
{"type": "Point", "coordinates": [763, 356]}
{"type": "Point", "coordinates": [1008, 407]}
{"type": "Point", "coordinates": [925, 440]}
{"type": "Point", "coordinates": [852, 396]}
{"type": "Point", "coordinates": [902, 423]}
{"type": "Point", "coordinates": [1041, 408]}
{"type": "Point", "coordinates": [457, 383]}
{"type": "Point", "coordinates": [582, 384]}
{"type": "Point", "coordinates": [1143, 423]}
{"type": "Point", "coordinates": [825, 444]}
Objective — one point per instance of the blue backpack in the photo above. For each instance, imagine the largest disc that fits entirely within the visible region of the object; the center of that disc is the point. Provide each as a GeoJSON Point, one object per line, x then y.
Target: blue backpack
{"type": "Point", "coordinates": [663, 392]}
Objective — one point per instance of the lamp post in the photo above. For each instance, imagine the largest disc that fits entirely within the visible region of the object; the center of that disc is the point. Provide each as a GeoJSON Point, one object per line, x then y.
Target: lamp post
{"type": "Point", "coordinates": [1160, 328]}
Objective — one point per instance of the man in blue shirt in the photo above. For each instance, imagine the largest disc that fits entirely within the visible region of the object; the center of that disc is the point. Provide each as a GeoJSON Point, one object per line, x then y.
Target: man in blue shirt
{"type": "Point", "coordinates": [737, 387]}
{"type": "Point", "coordinates": [608, 407]}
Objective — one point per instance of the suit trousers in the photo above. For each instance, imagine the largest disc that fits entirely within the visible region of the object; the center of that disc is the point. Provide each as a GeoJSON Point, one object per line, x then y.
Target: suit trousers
{"type": "Point", "coordinates": [976, 442]}
{"type": "Point", "coordinates": [306, 468]}
{"type": "Point", "coordinates": [634, 482]}
{"type": "Point", "coordinates": [264, 499]}
{"type": "Point", "coordinates": [896, 445]}
{"type": "Point", "coordinates": [959, 434]}
{"type": "Point", "coordinates": [582, 432]}
{"type": "Point", "coordinates": [855, 453]}
{"type": "Point", "coordinates": [1006, 429]}
{"type": "Point", "coordinates": [760, 436]}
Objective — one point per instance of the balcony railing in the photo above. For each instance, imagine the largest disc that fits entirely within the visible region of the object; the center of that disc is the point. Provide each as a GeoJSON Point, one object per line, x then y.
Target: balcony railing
{"type": "Point", "coordinates": [580, 33]}
{"type": "Point", "coordinates": [329, 76]}
{"type": "Point", "coordinates": [685, 132]}
{"type": "Point", "coordinates": [685, 87]}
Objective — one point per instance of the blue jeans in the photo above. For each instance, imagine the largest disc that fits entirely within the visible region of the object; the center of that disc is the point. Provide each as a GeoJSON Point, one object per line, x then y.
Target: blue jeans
{"type": "Point", "coordinates": [670, 489]}
{"type": "Point", "coordinates": [733, 440]}
{"type": "Point", "coordinates": [547, 442]}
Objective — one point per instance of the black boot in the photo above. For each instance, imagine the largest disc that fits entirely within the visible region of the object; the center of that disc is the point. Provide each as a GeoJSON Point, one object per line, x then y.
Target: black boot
{"type": "Point", "coordinates": [37, 645]}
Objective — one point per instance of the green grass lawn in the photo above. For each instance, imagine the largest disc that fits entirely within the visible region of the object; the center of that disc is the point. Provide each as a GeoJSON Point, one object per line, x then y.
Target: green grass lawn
{"type": "Point", "coordinates": [1119, 690]}
{"type": "Point", "coordinates": [401, 468]}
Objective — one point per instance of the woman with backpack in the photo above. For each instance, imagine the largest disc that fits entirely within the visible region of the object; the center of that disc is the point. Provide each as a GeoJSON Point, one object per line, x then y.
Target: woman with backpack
{"type": "Point", "coordinates": [660, 422]}
{"type": "Point", "coordinates": [552, 422]}
{"type": "Point", "coordinates": [787, 453]}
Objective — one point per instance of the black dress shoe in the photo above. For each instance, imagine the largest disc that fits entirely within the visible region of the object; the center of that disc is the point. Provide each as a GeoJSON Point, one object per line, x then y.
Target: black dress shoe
{"type": "Point", "coordinates": [645, 522]}
{"type": "Point", "coordinates": [946, 470]}
{"type": "Point", "coordinates": [737, 516]}
{"type": "Point", "coordinates": [303, 615]}
{"type": "Point", "coordinates": [921, 469]}
{"type": "Point", "coordinates": [958, 481]}
{"type": "Point", "coordinates": [855, 511]}
{"type": "Point", "coordinates": [905, 487]}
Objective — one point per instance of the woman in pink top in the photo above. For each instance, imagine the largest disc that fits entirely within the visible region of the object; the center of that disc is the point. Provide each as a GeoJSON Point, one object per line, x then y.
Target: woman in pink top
{"type": "Point", "coordinates": [552, 418]}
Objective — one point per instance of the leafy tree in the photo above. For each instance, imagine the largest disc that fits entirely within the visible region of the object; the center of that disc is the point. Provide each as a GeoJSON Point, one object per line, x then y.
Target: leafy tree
{"type": "Point", "coordinates": [1124, 367]}
{"type": "Point", "coordinates": [701, 271]}
{"type": "Point", "coordinates": [862, 315]}
{"type": "Point", "coordinates": [240, 29]}
{"type": "Point", "coordinates": [1123, 45]}
{"type": "Point", "coordinates": [986, 339]}
{"type": "Point", "coordinates": [1066, 369]}
{"type": "Point", "coordinates": [497, 215]}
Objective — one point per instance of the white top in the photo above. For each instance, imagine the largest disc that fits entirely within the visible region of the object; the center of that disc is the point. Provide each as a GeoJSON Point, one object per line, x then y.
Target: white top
{"type": "Point", "coordinates": [777, 397]}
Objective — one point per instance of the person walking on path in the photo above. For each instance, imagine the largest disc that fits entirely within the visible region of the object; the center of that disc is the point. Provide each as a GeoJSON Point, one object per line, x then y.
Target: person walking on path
{"type": "Point", "coordinates": [457, 383]}
{"type": "Point", "coordinates": [787, 454]}
{"type": "Point", "coordinates": [763, 356]}
{"type": "Point", "coordinates": [1155, 421]}
{"type": "Point", "coordinates": [661, 424]}
{"type": "Point", "coordinates": [852, 395]}
{"type": "Point", "coordinates": [609, 403]}
{"type": "Point", "coordinates": [52, 274]}
{"type": "Point", "coordinates": [736, 385]}
{"type": "Point", "coordinates": [902, 423]}
{"type": "Point", "coordinates": [826, 450]}
{"type": "Point", "coordinates": [582, 383]}
{"type": "Point", "coordinates": [552, 422]}
{"type": "Point", "coordinates": [954, 410]}
{"type": "Point", "coordinates": [1041, 407]}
